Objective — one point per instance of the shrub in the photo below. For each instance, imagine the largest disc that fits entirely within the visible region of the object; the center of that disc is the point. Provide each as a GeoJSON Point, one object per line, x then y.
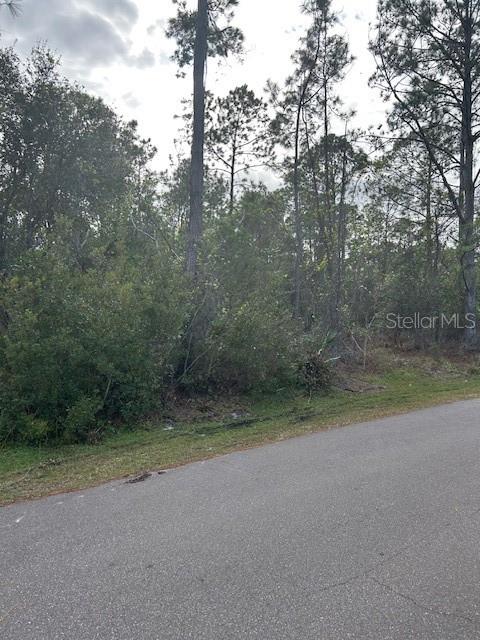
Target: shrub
{"type": "Point", "coordinates": [83, 347]}
{"type": "Point", "coordinates": [316, 370]}
{"type": "Point", "coordinates": [250, 346]}
{"type": "Point", "coordinates": [81, 422]}
{"type": "Point", "coordinates": [316, 373]}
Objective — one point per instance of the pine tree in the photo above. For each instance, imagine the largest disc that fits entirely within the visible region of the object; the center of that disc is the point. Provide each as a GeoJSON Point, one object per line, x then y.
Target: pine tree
{"type": "Point", "coordinates": [201, 34]}
{"type": "Point", "coordinates": [238, 137]}
{"type": "Point", "coordinates": [428, 61]}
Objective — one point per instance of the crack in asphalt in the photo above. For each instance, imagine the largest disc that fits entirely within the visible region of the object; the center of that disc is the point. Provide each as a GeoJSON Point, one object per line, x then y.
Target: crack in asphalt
{"type": "Point", "coordinates": [419, 605]}
{"type": "Point", "coordinates": [368, 570]}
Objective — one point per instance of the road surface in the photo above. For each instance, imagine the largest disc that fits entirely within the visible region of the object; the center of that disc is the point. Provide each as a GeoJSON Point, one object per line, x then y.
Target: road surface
{"type": "Point", "coordinates": [367, 532]}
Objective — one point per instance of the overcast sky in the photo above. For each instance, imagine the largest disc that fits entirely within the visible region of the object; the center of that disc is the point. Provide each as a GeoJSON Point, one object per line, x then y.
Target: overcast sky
{"type": "Point", "coordinates": [118, 50]}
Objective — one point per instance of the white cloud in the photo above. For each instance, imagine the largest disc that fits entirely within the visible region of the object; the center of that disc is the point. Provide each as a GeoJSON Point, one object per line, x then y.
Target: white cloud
{"type": "Point", "coordinates": [118, 49]}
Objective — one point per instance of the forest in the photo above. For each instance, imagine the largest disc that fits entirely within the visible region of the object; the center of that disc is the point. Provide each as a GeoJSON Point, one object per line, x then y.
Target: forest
{"type": "Point", "coordinates": [122, 285]}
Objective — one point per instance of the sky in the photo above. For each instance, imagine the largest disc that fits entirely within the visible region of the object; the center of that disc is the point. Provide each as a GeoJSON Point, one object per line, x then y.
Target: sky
{"type": "Point", "coordinates": [117, 49]}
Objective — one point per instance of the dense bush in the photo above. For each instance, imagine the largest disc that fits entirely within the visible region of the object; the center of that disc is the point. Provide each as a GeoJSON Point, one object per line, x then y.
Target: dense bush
{"type": "Point", "coordinates": [251, 346]}
{"type": "Point", "coordinates": [83, 348]}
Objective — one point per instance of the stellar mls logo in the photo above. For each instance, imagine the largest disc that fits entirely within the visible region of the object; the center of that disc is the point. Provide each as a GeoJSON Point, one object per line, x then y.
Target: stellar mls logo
{"type": "Point", "coordinates": [443, 321]}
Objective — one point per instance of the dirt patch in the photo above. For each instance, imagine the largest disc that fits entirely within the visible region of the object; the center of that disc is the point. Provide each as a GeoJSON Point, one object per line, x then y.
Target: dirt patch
{"type": "Point", "coordinates": [140, 478]}
{"type": "Point", "coordinates": [181, 409]}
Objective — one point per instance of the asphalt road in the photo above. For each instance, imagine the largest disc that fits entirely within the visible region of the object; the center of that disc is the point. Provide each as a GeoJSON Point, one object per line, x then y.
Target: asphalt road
{"type": "Point", "coordinates": [367, 532]}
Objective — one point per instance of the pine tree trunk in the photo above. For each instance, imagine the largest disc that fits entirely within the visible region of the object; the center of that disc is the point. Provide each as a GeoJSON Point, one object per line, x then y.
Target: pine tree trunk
{"type": "Point", "coordinates": [298, 266]}
{"type": "Point", "coordinates": [467, 248]}
{"type": "Point", "coordinates": [467, 220]}
{"type": "Point", "coordinates": [469, 281]}
{"type": "Point", "coordinates": [329, 205]}
{"type": "Point", "coordinates": [341, 241]}
{"type": "Point", "coordinates": [195, 223]}
{"type": "Point", "coordinates": [321, 242]}
{"type": "Point", "coordinates": [232, 177]}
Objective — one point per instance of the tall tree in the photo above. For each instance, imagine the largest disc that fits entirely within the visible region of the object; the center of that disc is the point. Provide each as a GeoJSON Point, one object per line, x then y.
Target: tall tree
{"type": "Point", "coordinates": [198, 137]}
{"type": "Point", "coordinates": [428, 61]}
{"type": "Point", "coordinates": [200, 34]}
{"type": "Point", "coordinates": [305, 110]}
{"type": "Point", "coordinates": [238, 137]}
{"type": "Point", "coordinates": [64, 156]}
{"type": "Point", "coordinates": [299, 90]}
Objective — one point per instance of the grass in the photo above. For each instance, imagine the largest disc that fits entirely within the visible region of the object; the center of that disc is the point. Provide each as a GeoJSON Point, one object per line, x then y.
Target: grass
{"type": "Point", "coordinates": [27, 472]}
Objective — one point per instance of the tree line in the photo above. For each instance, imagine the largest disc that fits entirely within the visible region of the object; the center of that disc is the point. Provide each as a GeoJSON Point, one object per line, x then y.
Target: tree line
{"type": "Point", "coordinates": [121, 286]}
